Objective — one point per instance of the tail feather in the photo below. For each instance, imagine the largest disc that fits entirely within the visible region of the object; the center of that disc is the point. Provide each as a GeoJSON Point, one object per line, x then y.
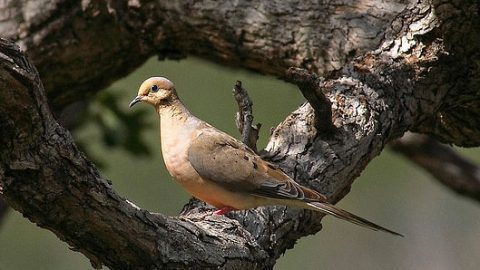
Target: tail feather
{"type": "Point", "coordinates": [342, 214]}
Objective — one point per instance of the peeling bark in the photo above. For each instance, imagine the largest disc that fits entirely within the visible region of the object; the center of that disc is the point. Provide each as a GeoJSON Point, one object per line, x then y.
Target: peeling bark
{"type": "Point", "coordinates": [416, 68]}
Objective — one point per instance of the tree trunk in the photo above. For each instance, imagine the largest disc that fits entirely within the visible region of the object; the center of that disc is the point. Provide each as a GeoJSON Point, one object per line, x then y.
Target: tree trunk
{"type": "Point", "coordinates": [389, 67]}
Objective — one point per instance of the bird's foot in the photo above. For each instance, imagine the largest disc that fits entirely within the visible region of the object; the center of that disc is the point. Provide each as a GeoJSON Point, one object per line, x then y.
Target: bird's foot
{"type": "Point", "coordinates": [223, 211]}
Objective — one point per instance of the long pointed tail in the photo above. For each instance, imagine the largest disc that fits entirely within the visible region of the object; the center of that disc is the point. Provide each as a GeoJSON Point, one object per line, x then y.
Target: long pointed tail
{"type": "Point", "coordinates": [342, 214]}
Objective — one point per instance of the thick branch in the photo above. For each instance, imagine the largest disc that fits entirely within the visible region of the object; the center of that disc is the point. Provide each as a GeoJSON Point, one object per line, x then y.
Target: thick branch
{"type": "Point", "coordinates": [113, 39]}
{"type": "Point", "coordinates": [50, 181]}
{"type": "Point", "coordinates": [445, 165]}
{"type": "Point", "coordinates": [403, 85]}
{"type": "Point", "coordinates": [81, 46]}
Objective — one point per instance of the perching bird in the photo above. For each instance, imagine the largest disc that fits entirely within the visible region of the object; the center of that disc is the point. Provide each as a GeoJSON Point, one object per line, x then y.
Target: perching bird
{"type": "Point", "coordinates": [220, 170]}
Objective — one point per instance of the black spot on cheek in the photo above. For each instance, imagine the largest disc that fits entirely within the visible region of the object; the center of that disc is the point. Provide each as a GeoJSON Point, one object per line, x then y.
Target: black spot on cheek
{"type": "Point", "coordinates": [255, 166]}
{"type": "Point", "coordinates": [245, 157]}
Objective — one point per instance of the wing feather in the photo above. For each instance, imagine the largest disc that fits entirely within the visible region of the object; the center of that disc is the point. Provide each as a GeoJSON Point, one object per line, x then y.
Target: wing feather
{"type": "Point", "coordinates": [228, 162]}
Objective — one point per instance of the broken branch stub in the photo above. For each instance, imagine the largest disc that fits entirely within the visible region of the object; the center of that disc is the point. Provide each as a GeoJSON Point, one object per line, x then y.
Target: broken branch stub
{"type": "Point", "coordinates": [244, 117]}
{"type": "Point", "coordinates": [309, 85]}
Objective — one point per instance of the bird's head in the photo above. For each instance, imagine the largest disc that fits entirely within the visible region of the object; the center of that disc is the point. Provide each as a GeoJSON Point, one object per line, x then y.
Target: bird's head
{"type": "Point", "coordinates": [156, 91]}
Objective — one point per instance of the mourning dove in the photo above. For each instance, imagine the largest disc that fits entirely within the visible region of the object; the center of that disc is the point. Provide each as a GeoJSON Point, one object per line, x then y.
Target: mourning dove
{"type": "Point", "coordinates": [220, 170]}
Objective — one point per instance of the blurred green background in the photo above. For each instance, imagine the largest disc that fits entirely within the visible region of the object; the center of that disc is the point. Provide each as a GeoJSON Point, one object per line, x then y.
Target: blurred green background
{"type": "Point", "coordinates": [442, 230]}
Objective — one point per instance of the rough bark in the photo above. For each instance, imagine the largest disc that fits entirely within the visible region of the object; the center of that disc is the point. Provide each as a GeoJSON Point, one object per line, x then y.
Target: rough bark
{"type": "Point", "coordinates": [421, 75]}
{"type": "Point", "coordinates": [81, 46]}
{"type": "Point", "coordinates": [46, 177]}
{"type": "Point", "coordinates": [322, 107]}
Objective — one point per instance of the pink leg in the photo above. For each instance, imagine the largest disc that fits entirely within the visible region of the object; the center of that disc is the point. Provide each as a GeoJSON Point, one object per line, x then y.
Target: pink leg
{"type": "Point", "coordinates": [223, 210]}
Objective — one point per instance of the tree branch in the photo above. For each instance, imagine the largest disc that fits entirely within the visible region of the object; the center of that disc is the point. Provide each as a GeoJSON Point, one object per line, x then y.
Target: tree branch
{"type": "Point", "coordinates": [444, 164]}
{"type": "Point", "coordinates": [407, 84]}
{"type": "Point", "coordinates": [50, 181]}
{"type": "Point", "coordinates": [244, 34]}
{"type": "Point", "coordinates": [112, 39]}
{"type": "Point", "coordinates": [308, 84]}
{"type": "Point", "coordinates": [416, 79]}
{"type": "Point", "coordinates": [244, 117]}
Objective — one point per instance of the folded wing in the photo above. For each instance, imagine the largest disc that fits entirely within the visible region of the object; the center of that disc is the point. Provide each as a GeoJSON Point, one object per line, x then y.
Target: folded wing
{"type": "Point", "coordinates": [228, 162]}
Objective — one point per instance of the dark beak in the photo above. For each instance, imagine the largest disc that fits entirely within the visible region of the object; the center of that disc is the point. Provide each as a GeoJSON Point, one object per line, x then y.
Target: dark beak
{"type": "Point", "coordinates": [135, 101]}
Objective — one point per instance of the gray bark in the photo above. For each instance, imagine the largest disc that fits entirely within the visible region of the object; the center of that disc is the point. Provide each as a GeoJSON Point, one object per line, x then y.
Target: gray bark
{"type": "Point", "coordinates": [392, 67]}
{"type": "Point", "coordinates": [81, 46]}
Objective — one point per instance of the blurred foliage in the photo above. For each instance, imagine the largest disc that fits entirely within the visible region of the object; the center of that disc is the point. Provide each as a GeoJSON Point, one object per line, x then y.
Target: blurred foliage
{"type": "Point", "coordinates": [116, 127]}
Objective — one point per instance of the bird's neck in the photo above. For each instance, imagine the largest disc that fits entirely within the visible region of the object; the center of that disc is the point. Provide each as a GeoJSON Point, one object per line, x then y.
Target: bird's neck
{"type": "Point", "coordinates": [177, 127]}
{"type": "Point", "coordinates": [176, 122]}
{"type": "Point", "coordinates": [174, 110]}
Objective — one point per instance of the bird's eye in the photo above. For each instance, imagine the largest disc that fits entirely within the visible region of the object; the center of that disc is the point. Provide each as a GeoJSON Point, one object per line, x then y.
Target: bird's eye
{"type": "Point", "coordinates": [154, 88]}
